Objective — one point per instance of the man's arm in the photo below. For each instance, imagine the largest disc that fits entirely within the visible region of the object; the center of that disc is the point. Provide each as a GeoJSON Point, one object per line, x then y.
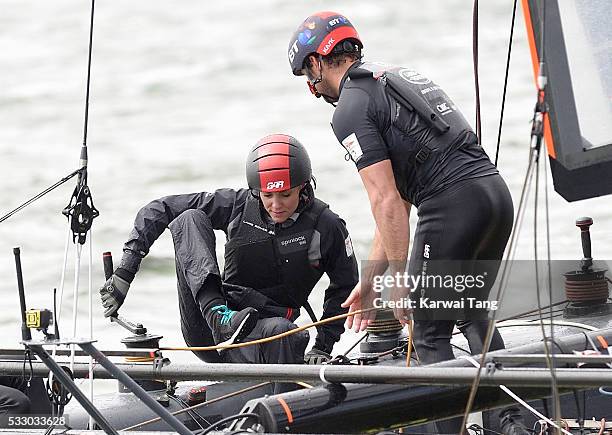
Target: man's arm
{"type": "Point", "coordinates": [391, 214]}
{"type": "Point", "coordinates": [358, 124]}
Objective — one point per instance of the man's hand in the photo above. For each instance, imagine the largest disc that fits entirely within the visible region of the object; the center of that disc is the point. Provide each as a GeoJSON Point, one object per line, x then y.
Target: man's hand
{"type": "Point", "coordinates": [401, 309]}
{"type": "Point", "coordinates": [316, 356]}
{"type": "Point", "coordinates": [113, 294]}
{"type": "Point", "coordinates": [361, 298]}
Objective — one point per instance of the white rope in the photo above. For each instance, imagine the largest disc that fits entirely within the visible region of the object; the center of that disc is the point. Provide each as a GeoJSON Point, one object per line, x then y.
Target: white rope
{"type": "Point", "coordinates": [322, 374]}
{"type": "Point", "coordinates": [470, 359]}
{"type": "Point", "coordinates": [508, 323]}
{"type": "Point", "coordinates": [91, 361]}
{"type": "Point", "coordinates": [517, 398]}
{"type": "Point", "coordinates": [75, 301]}
{"type": "Point", "coordinates": [533, 411]}
{"type": "Point", "coordinates": [61, 291]}
{"type": "Point", "coordinates": [63, 277]}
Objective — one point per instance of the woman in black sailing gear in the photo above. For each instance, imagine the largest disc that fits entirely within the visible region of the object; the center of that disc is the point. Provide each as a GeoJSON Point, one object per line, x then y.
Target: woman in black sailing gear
{"type": "Point", "coordinates": [280, 241]}
{"type": "Point", "coordinates": [411, 146]}
{"type": "Point", "coordinates": [13, 399]}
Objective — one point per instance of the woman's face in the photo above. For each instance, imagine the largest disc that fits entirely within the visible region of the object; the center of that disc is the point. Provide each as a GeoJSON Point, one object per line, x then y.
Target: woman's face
{"type": "Point", "coordinates": [281, 205]}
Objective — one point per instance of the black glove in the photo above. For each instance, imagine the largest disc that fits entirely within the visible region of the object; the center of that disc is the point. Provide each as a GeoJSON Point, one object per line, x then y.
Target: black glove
{"type": "Point", "coordinates": [316, 356]}
{"type": "Point", "coordinates": [113, 293]}
{"type": "Point", "coordinates": [240, 297]}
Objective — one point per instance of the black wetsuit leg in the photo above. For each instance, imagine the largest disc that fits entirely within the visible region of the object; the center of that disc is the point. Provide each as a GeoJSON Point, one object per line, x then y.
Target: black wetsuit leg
{"type": "Point", "coordinates": [198, 277]}
{"type": "Point", "coordinates": [469, 221]}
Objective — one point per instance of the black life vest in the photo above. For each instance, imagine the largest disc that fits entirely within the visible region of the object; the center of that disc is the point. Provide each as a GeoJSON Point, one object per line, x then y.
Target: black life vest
{"type": "Point", "coordinates": [271, 259]}
{"type": "Point", "coordinates": [426, 124]}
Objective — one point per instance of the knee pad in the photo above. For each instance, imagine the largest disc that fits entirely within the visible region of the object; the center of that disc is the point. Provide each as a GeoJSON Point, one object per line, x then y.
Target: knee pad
{"type": "Point", "coordinates": [191, 216]}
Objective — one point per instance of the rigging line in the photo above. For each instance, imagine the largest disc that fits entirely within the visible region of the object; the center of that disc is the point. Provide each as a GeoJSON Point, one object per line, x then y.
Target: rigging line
{"type": "Point", "coordinates": [75, 300]}
{"type": "Point", "coordinates": [530, 312]}
{"type": "Point", "coordinates": [355, 344]}
{"type": "Point", "coordinates": [507, 265]}
{"type": "Point", "coordinates": [63, 275]}
{"type": "Point", "coordinates": [541, 107]}
{"type": "Point", "coordinates": [516, 230]}
{"type": "Point", "coordinates": [547, 350]}
{"type": "Point", "coordinates": [193, 414]}
{"type": "Point", "coordinates": [478, 429]}
{"type": "Point", "coordinates": [503, 282]}
{"type": "Point", "coordinates": [91, 26]}
{"type": "Point", "coordinates": [510, 393]}
{"type": "Point", "coordinates": [225, 420]}
{"type": "Point", "coordinates": [532, 409]}
{"type": "Point", "coordinates": [475, 59]}
{"type": "Point", "coordinates": [40, 195]}
{"type": "Point", "coordinates": [518, 223]}
{"type": "Point", "coordinates": [532, 315]}
{"type": "Point", "coordinates": [208, 402]}
{"type": "Point", "coordinates": [503, 103]}
{"type": "Point", "coordinates": [90, 287]}
{"type": "Point", "coordinates": [511, 252]}
{"type": "Point", "coordinates": [513, 323]}
{"type": "Point", "coordinates": [61, 293]}
{"type": "Point", "coordinates": [549, 281]}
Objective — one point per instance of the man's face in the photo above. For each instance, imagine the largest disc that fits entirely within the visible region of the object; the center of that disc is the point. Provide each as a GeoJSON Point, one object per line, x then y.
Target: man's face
{"type": "Point", "coordinates": [319, 71]}
{"type": "Point", "coordinates": [313, 72]}
{"type": "Point", "coordinates": [281, 205]}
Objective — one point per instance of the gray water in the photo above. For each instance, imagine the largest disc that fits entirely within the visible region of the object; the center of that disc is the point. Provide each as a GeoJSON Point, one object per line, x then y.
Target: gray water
{"type": "Point", "coordinates": [181, 90]}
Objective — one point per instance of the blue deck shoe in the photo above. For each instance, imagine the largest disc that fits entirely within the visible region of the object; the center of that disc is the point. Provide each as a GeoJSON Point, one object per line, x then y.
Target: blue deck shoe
{"type": "Point", "coordinates": [229, 326]}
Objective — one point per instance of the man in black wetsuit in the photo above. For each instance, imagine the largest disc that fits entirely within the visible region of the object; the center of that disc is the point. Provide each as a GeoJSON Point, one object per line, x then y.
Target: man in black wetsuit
{"type": "Point", "coordinates": [280, 241]}
{"type": "Point", "coordinates": [412, 147]}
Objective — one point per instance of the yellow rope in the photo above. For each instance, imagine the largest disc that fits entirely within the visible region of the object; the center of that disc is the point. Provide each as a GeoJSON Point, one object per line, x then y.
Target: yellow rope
{"type": "Point", "coordinates": [409, 351]}
{"type": "Point", "coordinates": [269, 339]}
{"type": "Point", "coordinates": [137, 359]}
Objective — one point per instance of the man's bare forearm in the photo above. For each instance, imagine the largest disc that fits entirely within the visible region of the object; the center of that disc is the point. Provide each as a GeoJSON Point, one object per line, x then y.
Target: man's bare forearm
{"type": "Point", "coordinates": [377, 263]}
{"type": "Point", "coordinates": [393, 228]}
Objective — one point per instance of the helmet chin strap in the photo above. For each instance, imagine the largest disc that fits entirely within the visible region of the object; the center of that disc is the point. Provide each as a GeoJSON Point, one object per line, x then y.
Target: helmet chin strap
{"type": "Point", "coordinates": [312, 85]}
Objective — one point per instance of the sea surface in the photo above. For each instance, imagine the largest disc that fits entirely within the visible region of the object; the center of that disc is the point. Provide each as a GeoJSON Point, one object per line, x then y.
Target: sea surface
{"type": "Point", "coordinates": [179, 93]}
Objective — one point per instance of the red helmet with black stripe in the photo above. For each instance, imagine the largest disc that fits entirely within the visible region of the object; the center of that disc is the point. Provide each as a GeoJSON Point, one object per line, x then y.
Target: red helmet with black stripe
{"type": "Point", "coordinates": [319, 33]}
{"type": "Point", "coordinates": [277, 162]}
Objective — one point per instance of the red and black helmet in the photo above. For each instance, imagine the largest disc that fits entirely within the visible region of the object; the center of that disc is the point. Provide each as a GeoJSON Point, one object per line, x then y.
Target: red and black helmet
{"type": "Point", "coordinates": [319, 33]}
{"type": "Point", "coordinates": [277, 162]}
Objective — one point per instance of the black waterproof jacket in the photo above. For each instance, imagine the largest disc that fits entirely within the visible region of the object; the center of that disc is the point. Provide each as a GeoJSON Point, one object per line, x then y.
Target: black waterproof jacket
{"type": "Point", "coordinates": [330, 250]}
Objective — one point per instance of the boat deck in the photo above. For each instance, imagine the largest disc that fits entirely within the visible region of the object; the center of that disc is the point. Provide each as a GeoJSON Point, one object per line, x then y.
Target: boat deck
{"type": "Point", "coordinates": [80, 432]}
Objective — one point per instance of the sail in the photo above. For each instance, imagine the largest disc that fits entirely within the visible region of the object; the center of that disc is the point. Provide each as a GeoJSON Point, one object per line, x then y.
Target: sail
{"type": "Point", "coordinates": [575, 43]}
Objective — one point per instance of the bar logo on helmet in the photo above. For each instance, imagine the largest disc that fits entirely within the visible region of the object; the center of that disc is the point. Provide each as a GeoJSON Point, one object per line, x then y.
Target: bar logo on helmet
{"type": "Point", "coordinates": [275, 185]}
